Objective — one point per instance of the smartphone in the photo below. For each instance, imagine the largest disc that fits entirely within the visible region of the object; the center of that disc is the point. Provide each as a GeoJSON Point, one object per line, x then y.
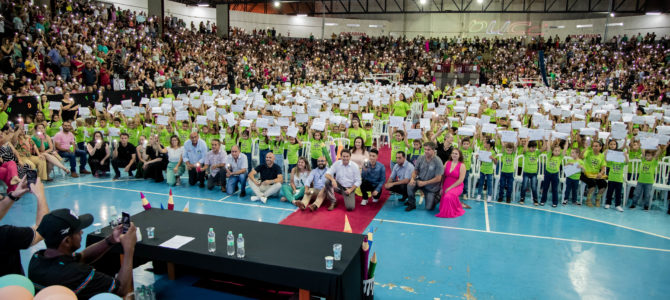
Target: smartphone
{"type": "Point", "coordinates": [31, 176]}
{"type": "Point", "coordinates": [125, 220]}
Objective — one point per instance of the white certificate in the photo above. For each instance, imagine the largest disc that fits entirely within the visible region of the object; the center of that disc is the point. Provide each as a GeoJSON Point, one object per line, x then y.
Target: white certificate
{"type": "Point", "coordinates": [484, 156]}
{"type": "Point", "coordinates": [571, 170]}
{"type": "Point", "coordinates": [616, 156]}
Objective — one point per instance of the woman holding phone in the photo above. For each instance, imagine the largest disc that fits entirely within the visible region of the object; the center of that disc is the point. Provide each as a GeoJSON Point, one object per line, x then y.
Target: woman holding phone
{"type": "Point", "coordinates": [98, 151]}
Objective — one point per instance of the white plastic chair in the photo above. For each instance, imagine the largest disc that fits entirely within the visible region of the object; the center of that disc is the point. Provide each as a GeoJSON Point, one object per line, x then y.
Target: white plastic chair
{"type": "Point", "coordinates": [255, 153]}
{"type": "Point", "coordinates": [541, 166]}
{"type": "Point", "coordinates": [562, 178]}
{"type": "Point", "coordinates": [476, 166]}
{"type": "Point", "coordinates": [634, 165]}
{"type": "Point", "coordinates": [306, 150]}
{"type": "Point", "coordinates": [344, 141]}
{"type": "Point", "coordinates": [518, 177]}
{"type": "Point", "coordinates": [661, 182]}
{"type": "Point", "coordinates": [497, 169]}
{"type": "Point", "coordinates": [380, 132]}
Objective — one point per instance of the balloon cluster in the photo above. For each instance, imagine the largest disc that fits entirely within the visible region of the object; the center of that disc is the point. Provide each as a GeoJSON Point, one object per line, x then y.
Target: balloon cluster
{"type": "Point", "coordinates": [18, 287]}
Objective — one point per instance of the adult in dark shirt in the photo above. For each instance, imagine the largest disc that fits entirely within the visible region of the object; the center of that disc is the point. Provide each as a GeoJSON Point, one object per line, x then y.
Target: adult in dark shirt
{"type": "Point", "coordinates": [60, 265]}
{"type": "Point", "coordinates": [90, 75]}
{"type": "Point", "coordinates": [271, 179]}
{"type": "Point", "coordinates": [98, 154]}
{"type": "Point", "coordinates": [12, 238]}
{"type": "Point", "coordinates": [444, 150]}
{"type": "Point", "coordinates": [123, 157]}
{"type": "Point", "coordinates": [157, 163]}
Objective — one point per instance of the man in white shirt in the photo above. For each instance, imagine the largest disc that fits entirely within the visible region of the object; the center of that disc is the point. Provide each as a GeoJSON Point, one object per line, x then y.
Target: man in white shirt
{"type": "Point", "coordinates": [343, 177]}
{"type": "Point", "coordinates": [215, 163]}
{"type": "Point", "coordinates": [236, 171]}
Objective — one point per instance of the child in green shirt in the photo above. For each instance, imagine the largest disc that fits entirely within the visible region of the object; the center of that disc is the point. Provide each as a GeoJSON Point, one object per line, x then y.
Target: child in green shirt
{"type": "Point", "coordinates": [553, 165]}
{"type": "Point", "coordinates": [507, 173]}
{"type": "Point", "coordinates": [645, 181]}
{"type": "Point", "coordinates": [531, 156]}
{"type": "Point", "coordinates": [572, 181]}
{"type": "Point", "coordinates": [486, 171]}
{"type": "Point", "coordinates": [614, 177]}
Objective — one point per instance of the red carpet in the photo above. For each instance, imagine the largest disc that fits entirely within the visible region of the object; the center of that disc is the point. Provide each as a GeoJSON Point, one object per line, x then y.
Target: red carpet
{"type": "Point", "coordinates": [359, 219]}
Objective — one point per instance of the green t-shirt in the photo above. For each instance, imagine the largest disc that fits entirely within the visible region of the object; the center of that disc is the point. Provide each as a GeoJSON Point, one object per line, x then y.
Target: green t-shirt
{"type": "Point", "coordinates": [245, 145]}
{"type": "Point", "coordinates": [277, 147]}
{"type": "Point", "coordinates": [263, 144]}
{"type": "Point", "coordinates": [647, 171]}
{"type": "Point", "coordinates": [467, 158]}
{"type": "Point", "coordinates": [134, 136]}
{"type": "Point", "coordinates": [397, 146]}
{"type": "Point", "coordinates": [164, 137]}
{"type": "Point", "coordinates": [184, 135]}
{"type": "Point", "coordinates": [507, 163]}
{"type": "Point", "coordinates": [38, 143]}
{"type": "Point", "coordinates": [615, 173]}
{"type": "Point", "coordinates": [593, 163]}
{"type": "Point", "coordinates": [316, 149]}
{"type": "Point", "coordinates": [354, 133]}
{"type": "Point", "coordinates": [487, 167]}
{"type": "Point", "coordinates": [572, 162]}
{"type": "Point", "coordinates": [4, 117]}
{"type": "Point", "coordinates": [54, 128]}
{"type": "Point", "coordinates": [229, 141]}
{"type": "Point", "coordinates": [530, 161]}
{"type": "Point", "coordinates": [400, 109]}
{"type": "Point", "coordinates": [368, 138]}
{"type": "Point", "coordinates": [553, 163]}
{"type": "Point", "coordinates": [80, 134]}
{"type": "Point", "coordinates": [292, 153]}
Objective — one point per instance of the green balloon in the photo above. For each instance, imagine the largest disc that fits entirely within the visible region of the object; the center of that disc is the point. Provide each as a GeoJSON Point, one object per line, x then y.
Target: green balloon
{"type": "Point", "coordinates": [16, 279]}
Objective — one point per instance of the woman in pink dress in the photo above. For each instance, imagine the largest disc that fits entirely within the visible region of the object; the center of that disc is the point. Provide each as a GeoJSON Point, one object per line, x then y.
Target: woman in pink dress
{"type": "Point", "coordinates": [452, 186]}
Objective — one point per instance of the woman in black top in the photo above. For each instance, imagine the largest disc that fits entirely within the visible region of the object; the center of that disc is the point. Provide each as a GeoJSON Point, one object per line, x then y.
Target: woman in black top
{"type": "Point", "coordinates": [98, 151]}
{"type": "Point", "coordinates": [157, 161]}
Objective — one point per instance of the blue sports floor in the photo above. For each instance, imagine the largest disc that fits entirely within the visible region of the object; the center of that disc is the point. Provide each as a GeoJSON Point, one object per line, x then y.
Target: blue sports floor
{"type": "Point", "coordinates": [494, 251]}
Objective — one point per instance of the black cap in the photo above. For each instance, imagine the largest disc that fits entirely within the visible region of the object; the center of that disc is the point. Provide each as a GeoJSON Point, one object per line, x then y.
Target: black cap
{"type": "Point", "coordinates": [60, 223]}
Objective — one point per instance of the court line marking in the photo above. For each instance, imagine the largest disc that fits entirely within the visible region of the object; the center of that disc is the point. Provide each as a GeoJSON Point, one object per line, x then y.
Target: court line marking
{"type": "Point", "coordinates": [46, 186]}
{"type": "Point", "coordinates": [222, 200]}
{"type": "Point", "coordinates": [525, 235]}
{"type": "Point", "coordinates": [486, 215]}
{"type": "Point", "coordinates": [581, 217]}
{"type": "Point", "coordinates": [409, 223]}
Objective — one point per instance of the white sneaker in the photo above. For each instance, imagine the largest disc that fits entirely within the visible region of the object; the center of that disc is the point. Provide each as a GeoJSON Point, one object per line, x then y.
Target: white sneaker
{"type": "Point", "coordinates": [364, 202]}
{"type": "Point", "coordinates": [479, 197]}
{"type": "Point", "coordinates": [264, 200]}
{"type": "Point", "coordinates": [254, 198]}
{"type": "Point", "coordinates": [374, 200]}
{"type": "Point", "coordinates": [607, 206]}
{"type": "Point", "coordinates": [619, 208]}
{"type": "Point", "coordinates": [488, 199]}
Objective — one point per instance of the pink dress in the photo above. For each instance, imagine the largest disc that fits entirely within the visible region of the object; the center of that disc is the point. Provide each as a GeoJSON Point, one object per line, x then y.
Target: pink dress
{"type": "Point", "coordinates": [450, 206]}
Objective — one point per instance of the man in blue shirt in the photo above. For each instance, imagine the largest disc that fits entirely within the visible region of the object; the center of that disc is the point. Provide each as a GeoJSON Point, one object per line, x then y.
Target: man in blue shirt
{"type": "Point", "coordinates": [373, 177]}
{"type": "Point", "coordinates": [401, 173]}
{"type": "Point", "coordinates": [194, 158]}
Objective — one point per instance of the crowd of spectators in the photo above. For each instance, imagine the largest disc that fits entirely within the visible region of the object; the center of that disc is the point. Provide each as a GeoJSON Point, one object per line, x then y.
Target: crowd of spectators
{"type": "Point", "coordinates": [83, 46]}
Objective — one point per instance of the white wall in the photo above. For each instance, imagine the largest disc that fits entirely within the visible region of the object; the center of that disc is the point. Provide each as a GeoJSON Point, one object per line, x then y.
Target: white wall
{"type": "Point", "coordinates": [298, 26]}
{"type": "Point", "coordinates": [133, 5]}
{"type": "Point", "coordinates": [618, 26]}
{"type": "Point", "coordinates": [190, 14]}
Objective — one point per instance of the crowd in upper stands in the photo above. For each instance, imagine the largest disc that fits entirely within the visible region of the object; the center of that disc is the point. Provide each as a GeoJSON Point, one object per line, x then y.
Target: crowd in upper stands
{"type": "Point", "coordinates": [82, 46]}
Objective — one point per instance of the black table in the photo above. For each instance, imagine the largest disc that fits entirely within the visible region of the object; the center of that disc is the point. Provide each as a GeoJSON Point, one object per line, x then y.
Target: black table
{"type": "Point", "coordinates": [278, 254]}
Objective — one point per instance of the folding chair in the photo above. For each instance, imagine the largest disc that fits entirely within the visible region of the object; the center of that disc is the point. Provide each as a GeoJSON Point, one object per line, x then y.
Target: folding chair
{"type": "Point", "coordinates": [541, 165]}
{"type": "Point", "coordinates": [306, 150]}
{"type": "Point", "coordinates": [634, 168]}
{"type": "Point", "coordinates": [518, 174]}
{"type": "Point", "coordinates": [496, 178]}
{"type": "Point", "coordinates": [661, 183]}
{"type": "Point", "coordinates": [255, 153]}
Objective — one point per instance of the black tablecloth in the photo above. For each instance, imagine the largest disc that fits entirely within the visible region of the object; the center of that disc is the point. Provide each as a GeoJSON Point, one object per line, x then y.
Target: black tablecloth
{"type": "Point", "coordinates": [278, 254]}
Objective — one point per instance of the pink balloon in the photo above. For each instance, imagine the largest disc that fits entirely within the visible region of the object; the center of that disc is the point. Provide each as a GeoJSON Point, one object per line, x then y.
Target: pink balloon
{"type": "Point", "coordinates": [56, 292]}
{"type": "Point", "coordinates": [15, 292]}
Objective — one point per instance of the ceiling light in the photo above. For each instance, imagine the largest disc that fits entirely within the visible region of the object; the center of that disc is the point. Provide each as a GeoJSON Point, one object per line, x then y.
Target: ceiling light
{"type": "Point", "coordinates": [203, 4]}
{"type": "Point", "coordinates": [276, 3]}
{"type": "Point", "coordinates": [302, 15]}
{"type": "Point", "coordinates": [653, 13]}
{"type": "Point", "coordinates": [585, 26]}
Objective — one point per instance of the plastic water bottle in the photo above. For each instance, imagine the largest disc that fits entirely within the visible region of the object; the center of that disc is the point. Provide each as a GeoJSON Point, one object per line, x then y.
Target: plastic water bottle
{"type": "Point", "coordinates": [240, 246]}
{"type": "Point", "coordinates": [211, 241]}
{"type": "Point", "coordinates": [231, 244]}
